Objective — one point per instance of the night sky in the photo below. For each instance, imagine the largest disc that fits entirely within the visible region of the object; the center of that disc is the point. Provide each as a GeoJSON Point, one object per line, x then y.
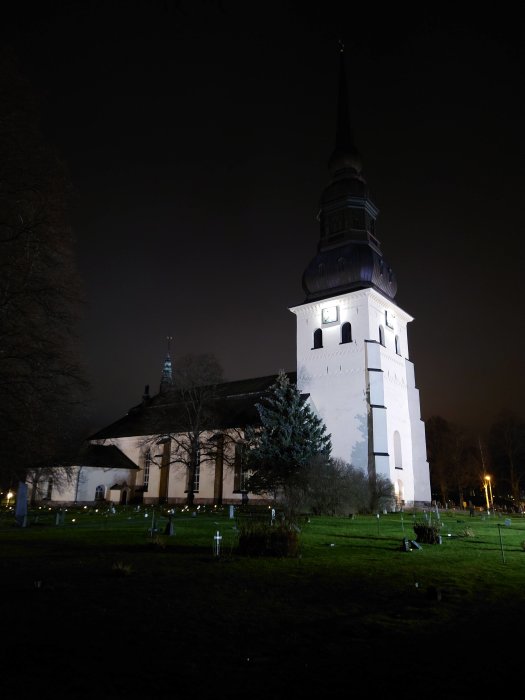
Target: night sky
{"type": "Point", "coordinates": [197, 137]}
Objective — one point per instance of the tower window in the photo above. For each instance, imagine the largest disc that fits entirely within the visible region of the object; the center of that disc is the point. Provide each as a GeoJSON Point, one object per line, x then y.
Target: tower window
{"type": "Point", "coordinates": [382, 335]}
{"type": "Point", "coordinates": [318, 338]}
{"type": "Point", "coordinates": [398, 348]}
{"type": "Point", "coordinates": [346, 333]}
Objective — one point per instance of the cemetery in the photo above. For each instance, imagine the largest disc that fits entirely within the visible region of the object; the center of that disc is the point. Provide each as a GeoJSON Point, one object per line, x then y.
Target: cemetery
{"type": "Point", "coordinates": [135, 598]}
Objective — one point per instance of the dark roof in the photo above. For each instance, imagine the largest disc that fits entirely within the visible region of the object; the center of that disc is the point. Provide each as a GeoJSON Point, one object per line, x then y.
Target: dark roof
{"type": "Point", "coordinates": [232, 406]}
{"type": "Point", "coordinates": [346, 269]}
{"type": "Point", "coordinates": [101, 456]}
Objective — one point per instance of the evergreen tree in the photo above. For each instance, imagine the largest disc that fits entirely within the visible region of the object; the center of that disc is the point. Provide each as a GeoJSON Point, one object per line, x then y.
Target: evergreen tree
{"type": "Point", "coordinates": [289, 437]}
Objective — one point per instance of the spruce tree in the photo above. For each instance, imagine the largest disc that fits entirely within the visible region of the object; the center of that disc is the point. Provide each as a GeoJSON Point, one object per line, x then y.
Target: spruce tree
{"type": "Point", "coordinates": [281, 448]}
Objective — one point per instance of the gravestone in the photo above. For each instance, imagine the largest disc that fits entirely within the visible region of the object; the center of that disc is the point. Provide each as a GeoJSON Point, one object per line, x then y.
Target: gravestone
{"type": "Point", "coordinates": [21, 505]}
{"type": "Point", "coordinates": [169, 526]}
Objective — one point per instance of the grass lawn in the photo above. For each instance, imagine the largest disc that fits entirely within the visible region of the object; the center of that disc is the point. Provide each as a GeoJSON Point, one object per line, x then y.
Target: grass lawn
{"type": "Point", "coordinates": [101, 605]}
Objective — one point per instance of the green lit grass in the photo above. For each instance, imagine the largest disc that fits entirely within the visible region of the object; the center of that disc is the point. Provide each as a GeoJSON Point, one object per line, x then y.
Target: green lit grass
{"type": "Point", "coordinates": [107, 589]}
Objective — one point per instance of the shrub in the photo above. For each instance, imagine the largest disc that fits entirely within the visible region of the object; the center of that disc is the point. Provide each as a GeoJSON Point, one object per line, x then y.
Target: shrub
{"type": "Point", "coordinates": [428, 533]}
{"type": "Point", "coordinates": [260, 538]}
{"type": "Point", "coordinates": [121, 569]}
{"type": "Point", "coordinates": [467, 532]}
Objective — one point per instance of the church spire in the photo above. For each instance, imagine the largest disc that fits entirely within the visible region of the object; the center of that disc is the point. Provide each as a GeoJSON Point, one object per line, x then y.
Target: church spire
{"type": "Point", "coordinates": [345, 155]}
{"type": "Point", "coordinates": [167, 376]}
{"type": "Point", "coordinates": [349, 255]}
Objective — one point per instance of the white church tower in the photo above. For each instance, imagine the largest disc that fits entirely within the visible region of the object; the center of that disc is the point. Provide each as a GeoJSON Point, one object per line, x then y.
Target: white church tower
{"type": "Point", "coordinates": [352, 345]}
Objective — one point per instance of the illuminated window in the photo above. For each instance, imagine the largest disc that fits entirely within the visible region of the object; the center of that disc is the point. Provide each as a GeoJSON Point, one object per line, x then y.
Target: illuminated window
{"type": "Point", "coordinates": [346, 333]}
{"type": "Point", "coordinates": [382, 335]}
{"type": "Point", "coordinates": [318, 338]}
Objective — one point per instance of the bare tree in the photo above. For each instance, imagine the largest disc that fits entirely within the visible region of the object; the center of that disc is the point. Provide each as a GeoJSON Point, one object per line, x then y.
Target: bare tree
{"type": "Point", "coordinates": [190, 417]}
{"type": "Point", "coordinates": [507, 450]}
{"type": "Point", "coordinates": [41, 379]}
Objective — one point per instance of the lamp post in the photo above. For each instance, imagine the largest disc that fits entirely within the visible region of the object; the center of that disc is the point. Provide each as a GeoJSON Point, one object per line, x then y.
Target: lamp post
{"type": "Point", "coordinates": [489, 481]}
{"type": "Point", "coordinates": [486, 484]}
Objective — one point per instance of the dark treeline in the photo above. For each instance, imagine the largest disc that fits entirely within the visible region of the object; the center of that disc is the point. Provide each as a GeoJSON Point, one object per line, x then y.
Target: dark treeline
{"type": "Point", "coordinates": [460, 462]}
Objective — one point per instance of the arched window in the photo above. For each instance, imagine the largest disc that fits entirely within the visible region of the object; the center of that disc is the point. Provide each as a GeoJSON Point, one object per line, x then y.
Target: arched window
{"type": "Point", "coordinates": [240, 473]}
{"type": "Point", "coordinates": [346, 333]}
{"type": "Point", "coordinates": [398, 461]}
{"type": "Point", "coordinates": [341, 264]}
{"type": "Point", "coordinates": [147, 465]}
{"type": "Point", "coordinates": [398, 350]}
{"type": "Point", "coordinates": [99, 493]}
{"type": "Point", "coordinates": [318, 338]}
{"type": "Point", "coordinates": [197, 475]}
{"type": "Point", "coordinates": [381, 335]}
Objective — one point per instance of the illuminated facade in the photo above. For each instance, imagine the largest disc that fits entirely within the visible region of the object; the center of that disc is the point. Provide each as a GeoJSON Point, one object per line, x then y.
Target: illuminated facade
{"type": "Point", "coordinates": [352, 343]}
{"type": "Point", "coordinates": [352, 362]}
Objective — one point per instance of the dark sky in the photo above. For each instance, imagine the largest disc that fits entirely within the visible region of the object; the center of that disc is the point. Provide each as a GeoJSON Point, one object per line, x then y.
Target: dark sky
{"type": "Point", "coordinates": [197, 136]}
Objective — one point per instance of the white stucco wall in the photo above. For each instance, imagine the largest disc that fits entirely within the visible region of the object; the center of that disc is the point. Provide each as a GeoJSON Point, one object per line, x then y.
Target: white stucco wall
{"type": "Point", "coordinates": [339, 375]}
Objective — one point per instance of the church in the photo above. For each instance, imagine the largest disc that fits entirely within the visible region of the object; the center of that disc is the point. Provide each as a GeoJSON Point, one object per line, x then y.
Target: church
{"type": "Point", "coordinates": [353, 368]}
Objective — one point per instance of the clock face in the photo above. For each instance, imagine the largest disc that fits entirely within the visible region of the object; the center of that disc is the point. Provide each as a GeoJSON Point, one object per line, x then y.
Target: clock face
{"type": "Point", "coordinates": [329, 315]}
{"type": "Point", "coordinates": [389, 319]}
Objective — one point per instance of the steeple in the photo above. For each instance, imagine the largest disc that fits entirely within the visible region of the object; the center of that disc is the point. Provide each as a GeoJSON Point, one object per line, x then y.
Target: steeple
{"type": "Point", "coordinates": [167, 376]}
{"type": "Point", "coordinates": [345, 155]}
{"type": "Point", "coordinates": [349, 253]}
